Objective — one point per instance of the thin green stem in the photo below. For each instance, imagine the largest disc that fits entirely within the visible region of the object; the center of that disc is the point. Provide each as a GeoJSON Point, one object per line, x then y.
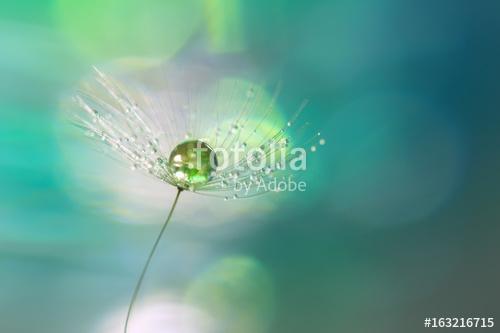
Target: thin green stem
{"type": "Point", "coordinates": [148, 261]}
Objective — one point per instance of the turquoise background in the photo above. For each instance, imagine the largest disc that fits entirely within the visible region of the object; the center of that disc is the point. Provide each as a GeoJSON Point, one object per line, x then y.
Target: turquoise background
{"type": "Point", "coordinates": [400, 221]}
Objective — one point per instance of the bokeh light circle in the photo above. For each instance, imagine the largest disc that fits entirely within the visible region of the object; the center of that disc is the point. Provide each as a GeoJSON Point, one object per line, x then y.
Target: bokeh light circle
{"type": "Point", "coordinates": [160, 314]}
{"type": "Point", "coordinates": [397, 159]}
{"type": "Point", "coordinates": [238, 293]}
{"type": "Point", "coordinates": [116, 28]}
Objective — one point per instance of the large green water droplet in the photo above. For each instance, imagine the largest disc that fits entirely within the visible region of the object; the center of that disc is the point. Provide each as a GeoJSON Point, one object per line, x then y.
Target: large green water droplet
{"type": "Point", "coordinates": [190, 164]}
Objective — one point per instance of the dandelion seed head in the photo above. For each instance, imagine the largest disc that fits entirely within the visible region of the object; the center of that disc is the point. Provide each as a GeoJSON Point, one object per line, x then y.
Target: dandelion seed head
{"type": "Point", "coordinates": [157, 130]}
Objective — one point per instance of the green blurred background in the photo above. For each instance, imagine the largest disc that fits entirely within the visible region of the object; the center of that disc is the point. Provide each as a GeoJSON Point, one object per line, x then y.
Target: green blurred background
{"type": "Point", "coordinates": [400, 221]}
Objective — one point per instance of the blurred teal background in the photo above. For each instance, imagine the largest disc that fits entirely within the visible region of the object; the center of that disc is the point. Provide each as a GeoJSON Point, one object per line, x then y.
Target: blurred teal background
{"type": "Point", "coordinates": [400, 221]}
